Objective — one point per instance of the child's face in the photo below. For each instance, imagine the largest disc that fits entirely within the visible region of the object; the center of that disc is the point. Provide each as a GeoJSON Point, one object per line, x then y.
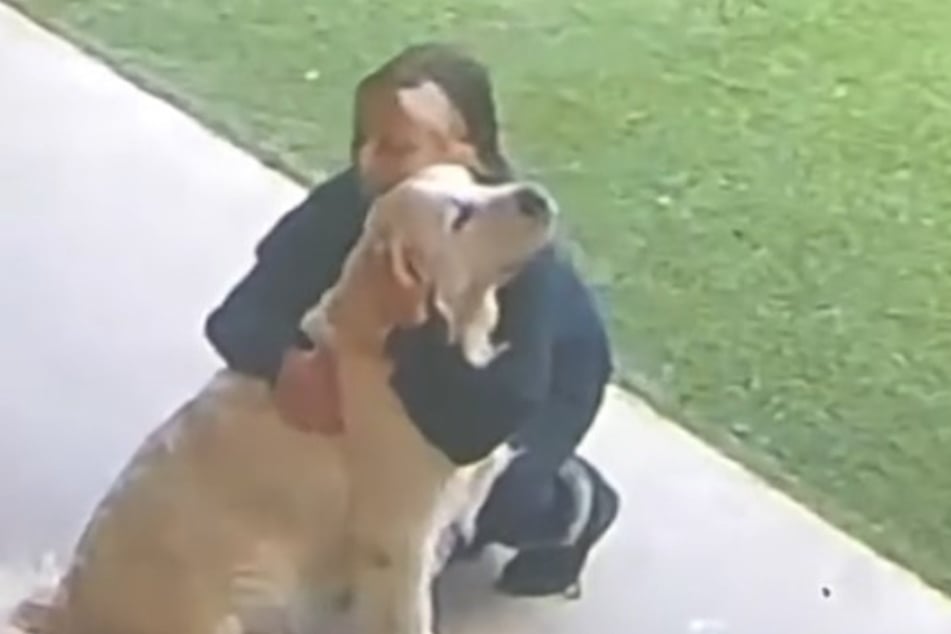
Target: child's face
{"type": "Point", "coordinates": [407, 130]}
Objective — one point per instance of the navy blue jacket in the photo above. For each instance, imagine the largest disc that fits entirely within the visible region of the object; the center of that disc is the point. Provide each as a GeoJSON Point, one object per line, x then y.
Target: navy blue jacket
{"type": "Point", "coordinates": [542, 390]}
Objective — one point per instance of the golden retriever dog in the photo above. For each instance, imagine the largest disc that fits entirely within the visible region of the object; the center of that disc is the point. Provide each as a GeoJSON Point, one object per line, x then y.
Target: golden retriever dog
{"type": "Point", "coordinates": [227, 520]}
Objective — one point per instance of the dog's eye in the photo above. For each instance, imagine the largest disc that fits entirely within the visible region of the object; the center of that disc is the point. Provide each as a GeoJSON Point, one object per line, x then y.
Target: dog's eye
{"type": "Point", "coordinates": [464, 212]}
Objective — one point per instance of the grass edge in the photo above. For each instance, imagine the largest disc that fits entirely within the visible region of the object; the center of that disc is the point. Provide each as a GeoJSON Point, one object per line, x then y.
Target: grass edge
{"type": "Point", "coordinates": [761, 465]}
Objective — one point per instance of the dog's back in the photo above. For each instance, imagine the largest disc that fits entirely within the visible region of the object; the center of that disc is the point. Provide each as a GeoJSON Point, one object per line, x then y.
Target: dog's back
{"type": "Point", "coordinates": [219, 512]}
{"type": "Point", "coordinates": [226, 512]}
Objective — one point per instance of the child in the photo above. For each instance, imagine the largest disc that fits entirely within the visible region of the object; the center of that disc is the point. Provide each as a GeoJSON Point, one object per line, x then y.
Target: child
{"type": "Point", "coordinates": [433, 104]}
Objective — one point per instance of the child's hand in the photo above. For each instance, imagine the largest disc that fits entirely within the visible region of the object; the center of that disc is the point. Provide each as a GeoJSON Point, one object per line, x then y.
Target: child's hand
{"type": "Point", "coordinates": [306, 391]}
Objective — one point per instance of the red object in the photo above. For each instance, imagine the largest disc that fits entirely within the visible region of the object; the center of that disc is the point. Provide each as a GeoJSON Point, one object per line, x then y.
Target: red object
{"type": "Point", "coordinates": [307, 394]}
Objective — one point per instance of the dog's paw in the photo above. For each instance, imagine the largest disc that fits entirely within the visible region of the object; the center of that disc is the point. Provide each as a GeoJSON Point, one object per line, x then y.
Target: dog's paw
{"type": "Point", "coordinates": [33, 616]}
{"type": "Point", "coordinates": [480, 352]}
{"type": "Point", "coordinates": [314, 324]}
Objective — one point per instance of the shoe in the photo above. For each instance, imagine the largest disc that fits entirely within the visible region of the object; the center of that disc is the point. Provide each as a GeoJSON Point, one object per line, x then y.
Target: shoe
{"type": "Point", "coordinates": [556, 570]}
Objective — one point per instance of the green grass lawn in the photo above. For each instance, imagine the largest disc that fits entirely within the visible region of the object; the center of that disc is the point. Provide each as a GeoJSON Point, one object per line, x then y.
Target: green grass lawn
{"type": "Point", "coordinates": [764, 188]}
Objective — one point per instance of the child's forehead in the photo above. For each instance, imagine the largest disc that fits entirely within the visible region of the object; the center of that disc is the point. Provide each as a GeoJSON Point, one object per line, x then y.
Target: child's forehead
{"type": "Point", "coordinates": [383, 108]}
{"type": "Point", "coordinates": [429, 104]}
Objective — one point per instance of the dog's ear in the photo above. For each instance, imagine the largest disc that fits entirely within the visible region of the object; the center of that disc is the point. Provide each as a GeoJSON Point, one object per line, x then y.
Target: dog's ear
{"type": "Point", "coordinates": [471, 314]}
{"type": "Point", "coordinates": [404, 281]}
{"type": "Point", "coordinates": [409, 276]}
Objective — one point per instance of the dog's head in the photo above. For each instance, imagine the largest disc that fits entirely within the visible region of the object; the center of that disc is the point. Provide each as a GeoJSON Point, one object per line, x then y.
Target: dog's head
{"type": "Point", "coordinates": [447, 242]}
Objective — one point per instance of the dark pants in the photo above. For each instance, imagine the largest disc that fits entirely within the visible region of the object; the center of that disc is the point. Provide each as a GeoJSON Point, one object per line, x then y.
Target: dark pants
{"type": "Point", "coordinates": [529, 505]}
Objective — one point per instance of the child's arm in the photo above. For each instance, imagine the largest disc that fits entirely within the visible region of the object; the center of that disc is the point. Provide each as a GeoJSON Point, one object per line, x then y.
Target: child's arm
{"type": "Point", "coordinates": [257, 324]}
{"type": "Point", "coordinates": [467, 411]}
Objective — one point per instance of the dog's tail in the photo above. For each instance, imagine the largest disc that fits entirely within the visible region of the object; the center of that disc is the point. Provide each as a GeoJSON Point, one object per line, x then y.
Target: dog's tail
{"type": "Point", "coordinates": [37, 612]}
{"type": "Point", "coordinates": [34, 616]}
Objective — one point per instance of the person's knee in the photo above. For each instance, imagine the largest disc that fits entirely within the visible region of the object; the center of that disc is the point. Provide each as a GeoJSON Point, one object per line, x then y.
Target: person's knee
{"type": "Point", "coordinates": [520, 497]}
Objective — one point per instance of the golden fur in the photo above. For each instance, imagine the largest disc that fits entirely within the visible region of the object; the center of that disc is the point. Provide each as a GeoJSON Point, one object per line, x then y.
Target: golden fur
{"type": "Point", "coordinates": [227, 520]}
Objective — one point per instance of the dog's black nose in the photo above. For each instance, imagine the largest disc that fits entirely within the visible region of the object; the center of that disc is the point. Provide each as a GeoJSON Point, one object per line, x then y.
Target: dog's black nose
{"type": "Point", "coordinates": [534, 202]}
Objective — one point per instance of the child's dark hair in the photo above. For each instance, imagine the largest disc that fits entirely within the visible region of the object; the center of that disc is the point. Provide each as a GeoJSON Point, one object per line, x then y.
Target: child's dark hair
{"type": "Point", "coordinates": [466, 83]}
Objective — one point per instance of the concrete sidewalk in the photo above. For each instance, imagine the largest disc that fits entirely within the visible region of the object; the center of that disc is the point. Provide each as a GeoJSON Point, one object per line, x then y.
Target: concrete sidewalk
{"type": "Point", "coordinates": [122, 222]}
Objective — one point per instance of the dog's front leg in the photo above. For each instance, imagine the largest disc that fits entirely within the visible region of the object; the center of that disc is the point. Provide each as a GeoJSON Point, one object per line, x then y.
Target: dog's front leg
{"type": "Point", "coordinates": [392, 579]}
{"type": "Point", "coordinates": [260, 592]}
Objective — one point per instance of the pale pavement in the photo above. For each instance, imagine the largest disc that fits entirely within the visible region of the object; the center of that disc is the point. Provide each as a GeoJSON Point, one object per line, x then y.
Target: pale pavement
{"type": "Point", "coordinates": [122, 222]}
